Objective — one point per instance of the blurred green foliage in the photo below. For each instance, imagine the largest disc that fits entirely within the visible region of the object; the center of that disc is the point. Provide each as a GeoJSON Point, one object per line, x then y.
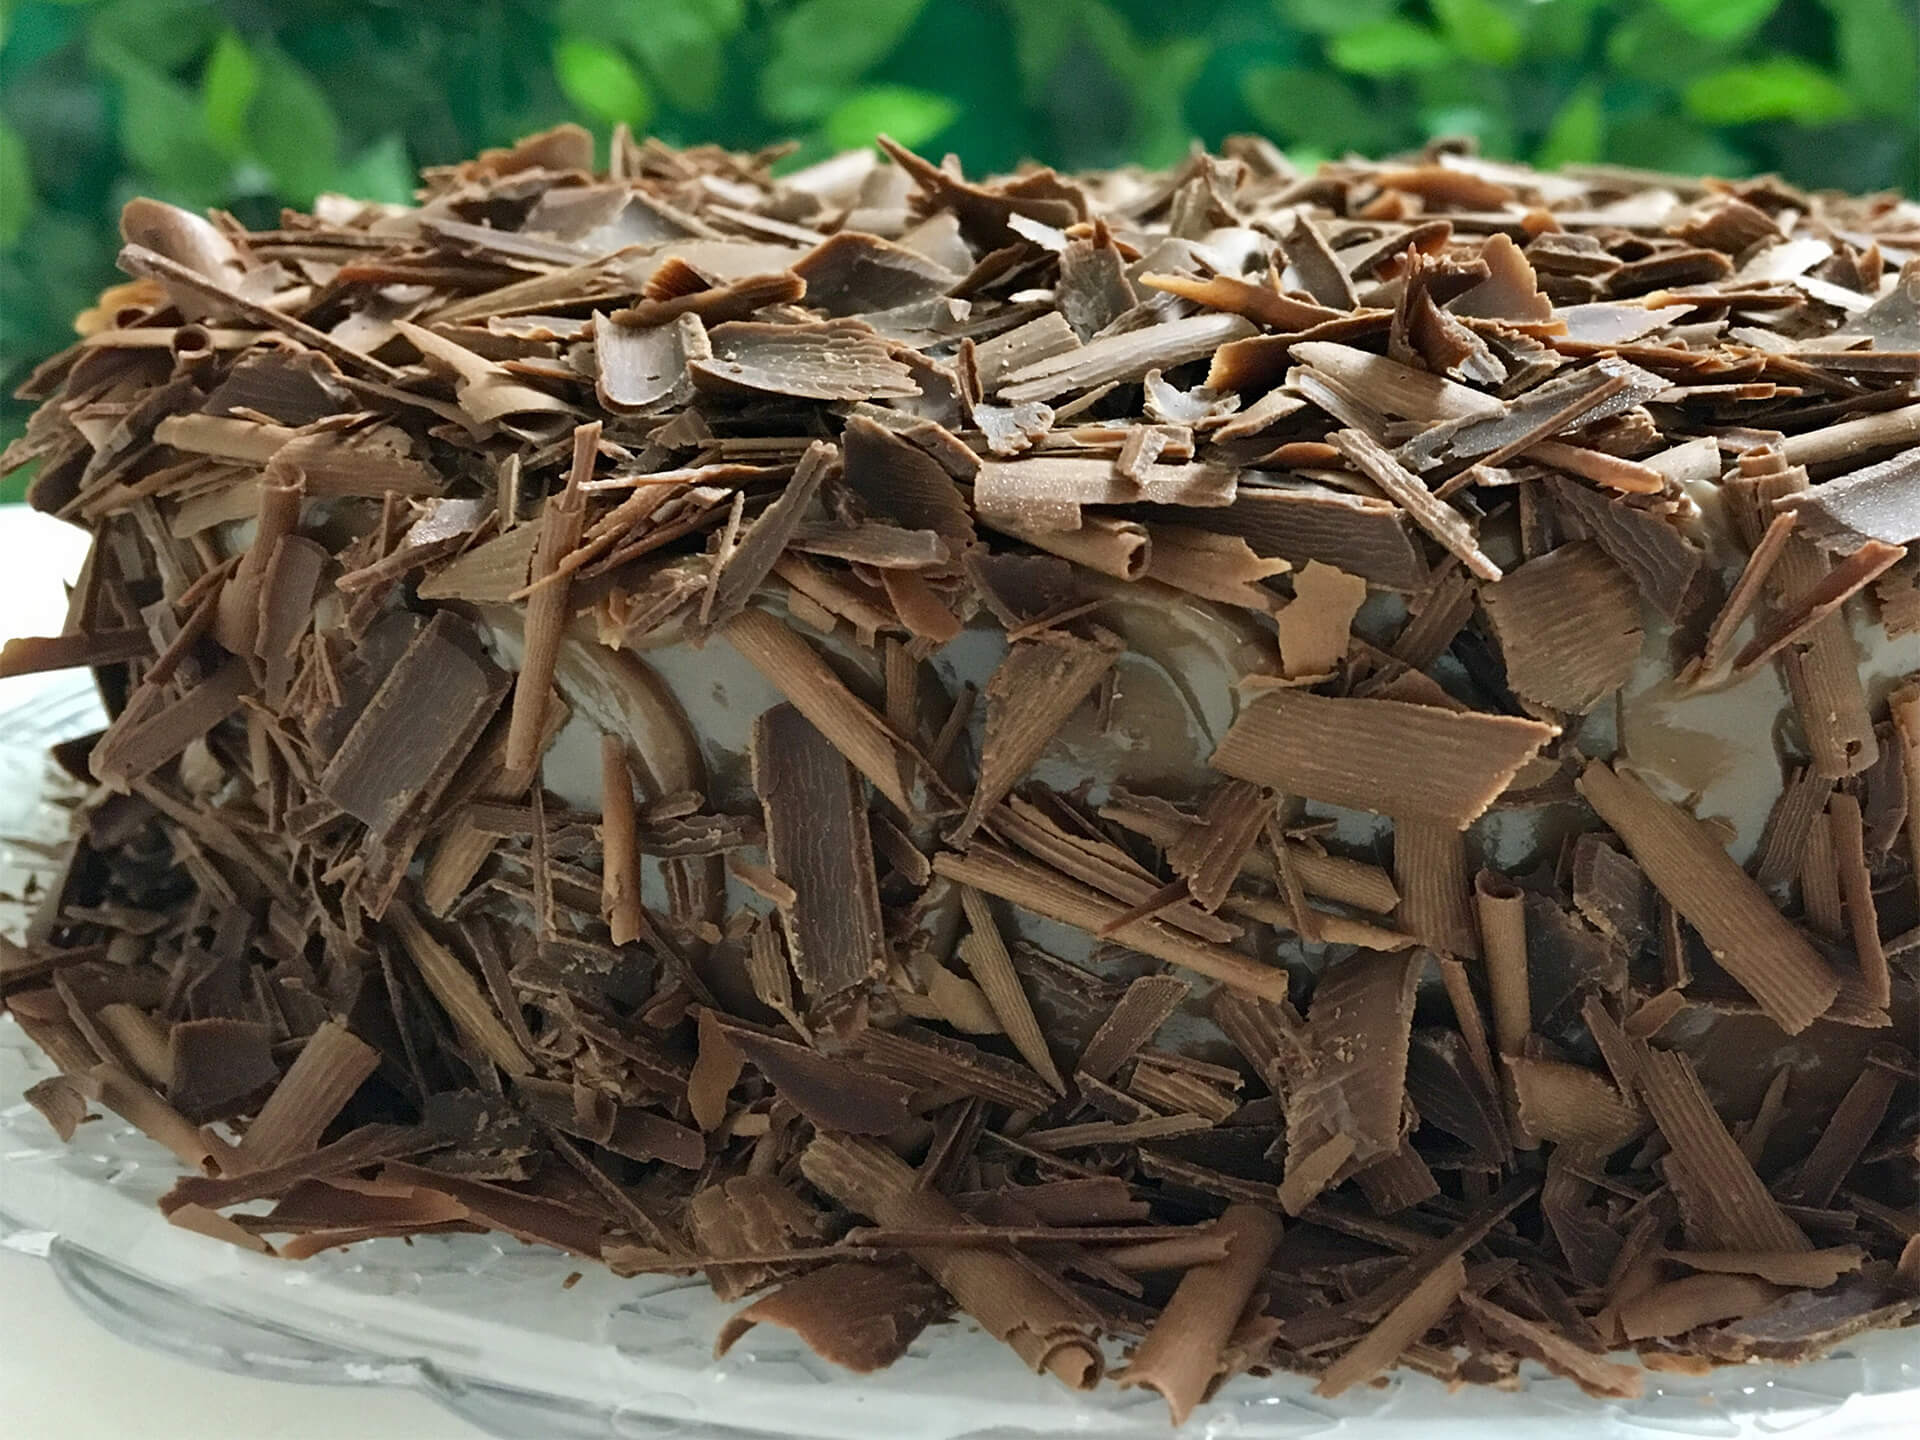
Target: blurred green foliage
{"type": "Point", "coordinates": [251, 104]}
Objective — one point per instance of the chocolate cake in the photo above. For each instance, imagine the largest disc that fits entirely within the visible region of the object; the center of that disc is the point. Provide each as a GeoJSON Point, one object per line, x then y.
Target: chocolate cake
{"type": "Point", "coordinates": [1246, 769]}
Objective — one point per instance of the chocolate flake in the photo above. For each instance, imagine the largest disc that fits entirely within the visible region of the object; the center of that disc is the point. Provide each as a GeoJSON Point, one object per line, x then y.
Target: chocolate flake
{"type": "Point", "coordinates": [1032, 692]}
{"type": "Point", "coordinates": [1356, 1038]}
{"type": "Point", "coordinates": [819, 845]}
{"type": "Point", "coordinates": [1686, 863]}
{"type": "Point", "coordinates": [1183, 1353]}
{"type": "Point", "coordinates": [1568, 623]}
{"type": "Point", "coordinates": [862, 1316]}
{"type": "Point", "coordinates": [1387, 756]}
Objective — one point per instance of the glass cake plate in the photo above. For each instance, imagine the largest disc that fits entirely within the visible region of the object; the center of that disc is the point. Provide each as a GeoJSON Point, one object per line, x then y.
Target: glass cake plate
{"type": "Point", "coordinates": [490, 1328]}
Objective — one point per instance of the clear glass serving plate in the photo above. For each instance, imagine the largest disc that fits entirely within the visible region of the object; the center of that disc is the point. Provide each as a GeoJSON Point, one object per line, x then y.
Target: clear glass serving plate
{"type": "Point", "coordinates": [492, 1330]}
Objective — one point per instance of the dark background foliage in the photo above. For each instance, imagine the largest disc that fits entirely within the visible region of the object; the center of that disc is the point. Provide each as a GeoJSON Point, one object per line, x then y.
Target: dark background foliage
{"type": "Point", "coordinates": [251, 104]}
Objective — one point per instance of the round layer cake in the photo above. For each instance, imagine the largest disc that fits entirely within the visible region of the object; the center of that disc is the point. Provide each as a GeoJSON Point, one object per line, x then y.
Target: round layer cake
{"type": "Point", "coordinates": [1268, 771]}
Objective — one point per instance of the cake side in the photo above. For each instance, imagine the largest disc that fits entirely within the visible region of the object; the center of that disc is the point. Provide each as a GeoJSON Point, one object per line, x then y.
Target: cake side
{"type": "Point", "coordinates": [1307, 770]}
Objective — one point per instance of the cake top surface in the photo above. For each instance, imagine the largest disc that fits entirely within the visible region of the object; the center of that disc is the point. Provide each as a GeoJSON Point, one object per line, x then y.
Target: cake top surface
{"type": "Point", "coordinates": [861, 716]}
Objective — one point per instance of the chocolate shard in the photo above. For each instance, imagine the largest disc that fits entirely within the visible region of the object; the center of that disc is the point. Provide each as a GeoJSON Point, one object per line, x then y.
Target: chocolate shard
{"type": "Point", "coordinates": [1758, 946]}
{"type": "Point", "coordinates": [1874, 502]}
{"type": "Point", "coordinates": [404, 747]}
{"type": "Point", "coordinates": [216, 1066]}
{"type": "Point", "coordinates": [1661, 560]}
{"type": "Point", "coordinates": [830, 360]}
{"type": "Point", "coordinates": [904, 485]}
{"type": "Point", "coordinates": [1303, 521]}
{"type": "Point", "coordinates": [835, 1094]}
{"type": "Point", "coordinates": [1353, 1076]}
{"type": "Point", "coordinates": [858, 1315]}
{"type": "Point", "coordinates": [819, 845]}
{"type": "Point", "coordinates": [1568, 623]}
{"type": "Point", "coordinates": [1032, 692]}
{"type": "Point", "coordinates": [854, 274]}
{"type": "Point", "coordinates": [1387, 756]}
{"type": "Point", "coordinates": [642, 368]}
{"type": "Point", "coordinates": [752, 559]}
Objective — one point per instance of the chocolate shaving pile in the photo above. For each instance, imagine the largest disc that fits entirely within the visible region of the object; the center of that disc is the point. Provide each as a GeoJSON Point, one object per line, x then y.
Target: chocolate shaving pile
{"type": "Point", "coordinates": [1282, 951]}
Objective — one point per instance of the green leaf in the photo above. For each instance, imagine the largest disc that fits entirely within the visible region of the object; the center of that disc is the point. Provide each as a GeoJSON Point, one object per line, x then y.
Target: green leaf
{"type": "Point", "coordinates": [382, 171]}
{"type": "Point", "coordinates": [1480, 29]}
{"type": "Point", "coordinates": [163, 131]}
{"type": "Point", "coordinates": [1042, 30]}
{"type": "Point", "coordinates": [164, 34]}
{"type": "Point", "coordinates": [1665, 141]}
{"type": "Point", "coordinates": [910, 116]}
{"type": "Point", "coordinates": [681, 45]}
{"type": "Point", "coordinates": [1330, 17]}
{"type": "Point", "coordinates": [1720, 19]}
{"type": "Point", "coordinates": [1561, 28]}
{"type": "Point", "coordinates": [820, 47]}
{"type": "Point", "coordinates": [600, 81]}
{"type": "Point", "coordinates": [1578, 132]}
{"type": "Point", "coordinates": [1157, 74]}
{"type": "Point", "coordinates": [294, 134]}
{"type": "Point", "coordinates": [1309, 108]}
{"type": "Point", "coordinates": [1466, 100]}
{"type": "Point", "coordinates": [1879, 55]}
{"type": "Point", "coordinates": [1388, 47]}
{"type": "Point", "coordinates": [1780, 88]}
{"type": "Point", "coordinates": [16, 185]}
{"type": "Point", "coordinates": [227, 88]}
{"type": "Point", "coordinates": [1655, 48]}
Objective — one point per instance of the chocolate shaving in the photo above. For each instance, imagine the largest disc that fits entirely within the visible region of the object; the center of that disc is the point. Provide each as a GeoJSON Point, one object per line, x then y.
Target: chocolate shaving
{"type": "Point", "coordinates": [829, 360]}
{"type": "Point", "coordinates": [331, 1066]}
{"type": "Point", "coordinates": [1032, 692]}
{"type": "Point", "coordinates": [1211, 854]}
{"type": "Point", "coordinates": [1381, 755]}
{"type": "Point", "coordinates": [861, 1316]}
{"type": "Point", "coordinates": [1009, 1300]}
{"type": "Point", "coordinates": [1598, 1377]}
{"type": "Point", "coordinates": [1822, 672]}
{"type": "Point", "coordinates": [1732, 1206]}
{"type": "Point", "coordinates": [1404, 488]}
{"type": "Point", "coordinates": [1568, 623]}
{"type": "Point", "coordinates": [819, 845]}
{"type": "Point", "coordinates": [1182, 1355]}
{"type": "Point", "coordinates": [904, 485]}
{"type": "Point", "coordinates": [1128, 355]}
{"type": "Point", "coordinates": [1354, 1072]}
{"type": "Point", "coordinates": [1686, 863]}
{"type": "Point", "coordinates": [1662, 561]}
{"type": "Point", "coordinates": [1394, 1332]}
{"type": "Point", "coordinates": [1132, 1023]}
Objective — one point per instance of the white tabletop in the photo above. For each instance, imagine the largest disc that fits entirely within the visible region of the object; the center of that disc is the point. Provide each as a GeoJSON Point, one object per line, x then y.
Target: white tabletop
{"type": "Point", "coordinates": [62, 1377]}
